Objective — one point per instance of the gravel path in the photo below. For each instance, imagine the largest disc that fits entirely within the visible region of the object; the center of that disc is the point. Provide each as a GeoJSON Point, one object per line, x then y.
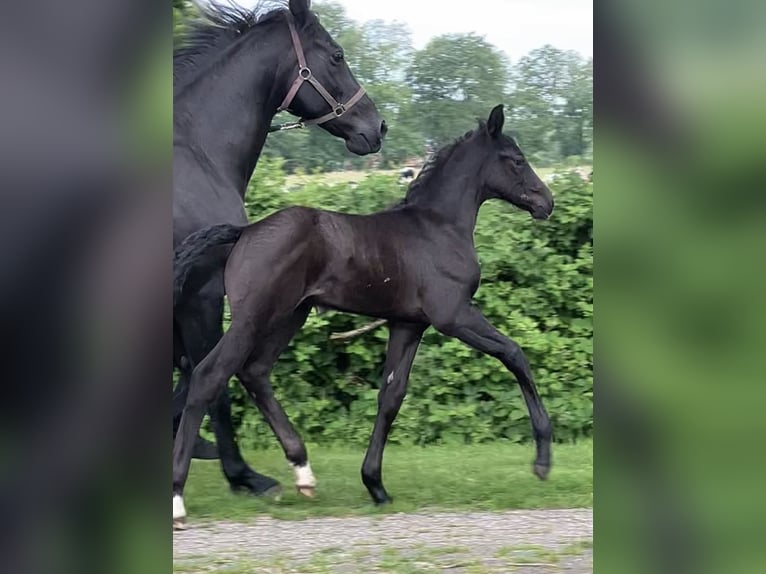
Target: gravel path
{"type": "Point", "coordinates": [521, 541]}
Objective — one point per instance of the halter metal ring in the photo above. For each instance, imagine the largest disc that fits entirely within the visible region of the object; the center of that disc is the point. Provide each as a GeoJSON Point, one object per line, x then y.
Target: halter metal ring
{"type": "Point", "coordinates": [340, 110]}
{"type": "Point", "coordinates": [304, 73]}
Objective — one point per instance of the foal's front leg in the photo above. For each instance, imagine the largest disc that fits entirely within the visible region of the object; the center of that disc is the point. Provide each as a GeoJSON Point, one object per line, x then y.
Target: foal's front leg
{"type": "Point", "coordinates": [403, 341]}
{"type": "Point", "coordinates": [471, 327]}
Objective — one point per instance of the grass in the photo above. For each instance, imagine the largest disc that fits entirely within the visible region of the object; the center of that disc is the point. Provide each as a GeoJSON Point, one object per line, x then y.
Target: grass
{"type": "Point", "coordinates": [494, 476]}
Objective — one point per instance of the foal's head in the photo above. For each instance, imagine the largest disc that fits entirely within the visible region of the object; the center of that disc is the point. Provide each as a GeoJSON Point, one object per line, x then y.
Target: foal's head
{"type": "Point", "coordinates": [361, 125]}
{"type": "Point", "coordinates": [506, 174]}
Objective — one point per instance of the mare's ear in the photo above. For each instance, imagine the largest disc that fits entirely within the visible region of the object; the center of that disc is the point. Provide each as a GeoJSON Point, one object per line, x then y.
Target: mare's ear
{"type": "Point", "coordinates": [300, 10]}
{"type": "Point", "coordinates": [496, 121]}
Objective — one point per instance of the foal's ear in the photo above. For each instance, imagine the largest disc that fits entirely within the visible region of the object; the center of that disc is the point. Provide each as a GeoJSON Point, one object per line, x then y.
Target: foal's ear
{"type": "Point", "coordinates": [300, 10]}
{"type": "Point", "coordinates": [496, 121]}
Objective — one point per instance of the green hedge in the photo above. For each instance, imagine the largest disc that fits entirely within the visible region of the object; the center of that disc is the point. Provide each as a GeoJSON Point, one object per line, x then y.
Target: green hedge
{"type": "Point", "coordinates": [536, 287]}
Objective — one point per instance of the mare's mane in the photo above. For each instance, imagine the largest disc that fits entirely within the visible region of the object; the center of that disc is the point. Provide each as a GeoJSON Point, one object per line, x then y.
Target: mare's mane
{"type": "Point", "coordinates": [214, 29]}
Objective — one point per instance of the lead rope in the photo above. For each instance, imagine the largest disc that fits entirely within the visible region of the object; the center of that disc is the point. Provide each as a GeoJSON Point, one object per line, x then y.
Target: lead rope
{"type": "Point", "coordinates": [286, 126]}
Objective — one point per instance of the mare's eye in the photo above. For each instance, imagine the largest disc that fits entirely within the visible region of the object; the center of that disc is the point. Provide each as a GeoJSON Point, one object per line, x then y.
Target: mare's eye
{"type": "Point", "coordinates": [338, 56]}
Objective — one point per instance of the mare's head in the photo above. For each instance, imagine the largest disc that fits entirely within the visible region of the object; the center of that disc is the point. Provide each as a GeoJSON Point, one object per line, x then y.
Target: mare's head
{"type": "Point", "coordinates": [505, 172]}
{"type": "Point", "coordinates": [360, 124]}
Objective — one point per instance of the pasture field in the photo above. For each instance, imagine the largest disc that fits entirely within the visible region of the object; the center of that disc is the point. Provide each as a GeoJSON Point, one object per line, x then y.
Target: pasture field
{"type": "Point", "coordinates": [462, 509]}
{"type": "Point", "coordinates": [355, 176]}
{"type": "Point", "coordinates": [494, 476]}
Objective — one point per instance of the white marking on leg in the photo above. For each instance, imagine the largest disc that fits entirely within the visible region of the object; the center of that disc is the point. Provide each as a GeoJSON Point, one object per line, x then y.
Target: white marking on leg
{"type": "Point", "coordinates": [304, 476]}
{"type": "Point", "coordinates": [390, 378]}
{"type": "Point", "coordinates": [179, 511]}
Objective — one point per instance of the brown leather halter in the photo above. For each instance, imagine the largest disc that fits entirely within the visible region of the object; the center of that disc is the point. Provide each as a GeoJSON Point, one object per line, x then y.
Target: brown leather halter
{"type": "Point", "coordinates": [305, 75]}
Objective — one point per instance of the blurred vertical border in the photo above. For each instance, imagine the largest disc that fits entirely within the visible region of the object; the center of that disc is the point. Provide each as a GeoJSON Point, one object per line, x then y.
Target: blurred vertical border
{"type": "Point", "coordinates": [85, 318]}
{"type": "Point", "coordinates": [680, 242]}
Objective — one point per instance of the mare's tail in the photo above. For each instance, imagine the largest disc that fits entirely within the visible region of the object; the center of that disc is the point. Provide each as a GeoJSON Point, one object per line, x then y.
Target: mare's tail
{"type": "Point", "coordinates": [194, 247]}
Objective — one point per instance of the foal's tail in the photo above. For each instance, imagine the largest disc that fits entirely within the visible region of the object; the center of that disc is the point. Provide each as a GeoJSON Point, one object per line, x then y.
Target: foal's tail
{"type": "Point", "coordinates": [194, 247]}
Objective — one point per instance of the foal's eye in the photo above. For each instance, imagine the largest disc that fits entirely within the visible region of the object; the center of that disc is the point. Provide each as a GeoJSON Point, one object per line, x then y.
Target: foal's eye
{"type": "Point", "coordinates": [518, 163]}
{"type": "Point", "coordinates": [338, 56]}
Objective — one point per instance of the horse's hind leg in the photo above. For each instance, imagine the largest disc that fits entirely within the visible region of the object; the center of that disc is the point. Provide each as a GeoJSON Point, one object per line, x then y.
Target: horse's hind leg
{"type": "Point", "coordinates": [203, 449]}
{"type": "Point", "coordinates": [255, 377]}
{"type": "Point", "coordinates": [201, 322]}
{"type": "Point", "coordinates": [209, 378]}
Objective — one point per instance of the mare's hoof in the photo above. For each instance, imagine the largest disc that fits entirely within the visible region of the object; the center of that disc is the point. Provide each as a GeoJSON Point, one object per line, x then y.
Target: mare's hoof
{"type": "Point", "coordinates": [382, 498]}
{"type": "Point", "coordinates": [179, 524]}
{"type": "Point", "coordinates": [257, 485]}
{"type": "Point", "coordinates": [204, 449]}
{"type": "Point", "coordinates": [307, 491]}
{"type": "Point", "coordinates": [541, 470]}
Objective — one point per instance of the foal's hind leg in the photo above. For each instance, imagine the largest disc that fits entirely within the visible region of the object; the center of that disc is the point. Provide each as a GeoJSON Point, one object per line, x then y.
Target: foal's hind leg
{"type": "Point", "coordinates": [403, 341]}
{"type": "Point", "coordinates": [255, 377]}
{"type": "Point", "coordinates": [201, 328]}
{"type": "Point", "coordinates": [208, 380]}
{"type": "Point", "coordinates": [471, 327]}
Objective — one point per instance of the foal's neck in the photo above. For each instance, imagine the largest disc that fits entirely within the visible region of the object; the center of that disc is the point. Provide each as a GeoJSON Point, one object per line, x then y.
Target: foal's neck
{"type": "Point", "coordinates": [453, 193]}
{"type": "Point", "coordinates": [226, 112]}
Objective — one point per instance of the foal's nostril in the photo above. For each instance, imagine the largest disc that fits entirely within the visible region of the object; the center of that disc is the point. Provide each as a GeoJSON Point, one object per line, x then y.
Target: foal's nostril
{"type": "Point", "coordinates": [383, 129]}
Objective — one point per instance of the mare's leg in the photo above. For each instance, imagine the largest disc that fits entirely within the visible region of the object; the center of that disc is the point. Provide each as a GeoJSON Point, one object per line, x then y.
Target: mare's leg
{"type": "Point", "coordinates": [209, 378]}
{"type": "Point", "coordinates": [471, 327]}
{"type": "Point", "coordinates": [403, 341]}
{"type": "Point", "coordinates": [203, 449]}
{"type": "Point", "coordinates": [201, 327]}
{"type": "Point", "coordinates": [255, 377]}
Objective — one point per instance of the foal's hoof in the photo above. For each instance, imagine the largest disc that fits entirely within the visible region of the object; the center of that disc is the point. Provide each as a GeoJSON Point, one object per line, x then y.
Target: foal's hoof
{"type": "Point", "coordinates": [204, 449]}
{"type": "Point", "coordinates": [179, 524]}
{"type": "Point", "coordinates": [307, 491]}
{"type": "Point", "coordinates": [541, 470]}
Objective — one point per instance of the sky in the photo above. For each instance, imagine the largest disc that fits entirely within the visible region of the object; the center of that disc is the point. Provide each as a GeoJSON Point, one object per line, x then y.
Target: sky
{"type": "Point", "coordinates": [513, 26]}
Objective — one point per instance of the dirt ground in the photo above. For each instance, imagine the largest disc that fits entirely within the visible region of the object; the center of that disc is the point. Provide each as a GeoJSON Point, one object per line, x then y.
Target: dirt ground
{"type": "Point", "coordinates": [521, 541]}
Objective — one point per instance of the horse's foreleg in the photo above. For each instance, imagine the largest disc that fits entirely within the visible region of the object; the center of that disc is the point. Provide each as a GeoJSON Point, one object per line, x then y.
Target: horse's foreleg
{"type": "Point", "coordinates": [403, 341]}
{"type": "Point", "coordinates": [471, 327]}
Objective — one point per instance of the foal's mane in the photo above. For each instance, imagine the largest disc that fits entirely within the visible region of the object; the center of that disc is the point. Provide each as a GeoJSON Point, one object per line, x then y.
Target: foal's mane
{"type": "Point", "coordinates": [215, 28]}
{"type": "Point", "coordinates": [434, 163]}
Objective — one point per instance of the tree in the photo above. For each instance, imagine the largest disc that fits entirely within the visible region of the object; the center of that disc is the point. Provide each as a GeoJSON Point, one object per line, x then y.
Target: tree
{"type": "Point", "coordinates": [551, 101]}
{"type": "Point", "coordinates": [455, 79]}
{"type": "Point", "coordinates": [429, 97]}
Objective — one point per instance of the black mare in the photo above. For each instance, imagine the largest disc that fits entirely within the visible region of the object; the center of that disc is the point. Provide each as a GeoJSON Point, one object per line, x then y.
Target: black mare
{"type": "Point", "coordinates": [413, 264]}
{"type": "Point", "coordinates": [233, 73]}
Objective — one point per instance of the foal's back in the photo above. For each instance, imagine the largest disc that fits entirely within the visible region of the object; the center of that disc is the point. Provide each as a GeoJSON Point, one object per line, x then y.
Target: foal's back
{"type": "Point", "coordinates": [367, 264]}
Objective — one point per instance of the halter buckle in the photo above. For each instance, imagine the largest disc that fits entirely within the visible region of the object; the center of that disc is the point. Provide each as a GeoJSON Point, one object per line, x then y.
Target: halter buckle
{"type": "Point", "coordinates": [339, 110]}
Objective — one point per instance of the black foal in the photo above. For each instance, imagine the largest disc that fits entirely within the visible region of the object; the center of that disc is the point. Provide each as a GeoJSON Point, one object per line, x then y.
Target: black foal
{"type": "Point", "coordinates": [413, 264]}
